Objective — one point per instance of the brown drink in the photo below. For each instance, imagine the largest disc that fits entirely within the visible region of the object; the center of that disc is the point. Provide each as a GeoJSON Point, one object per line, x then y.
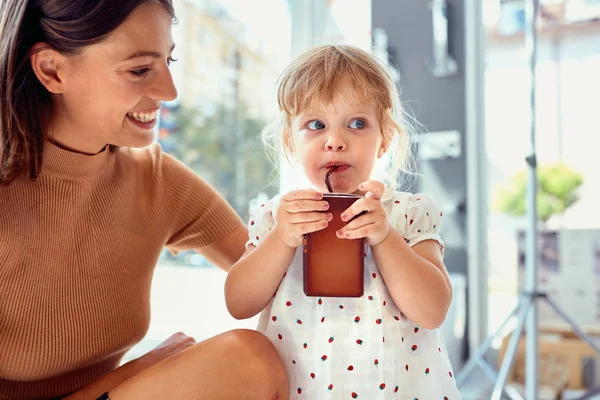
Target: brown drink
{"type": "Point", "coordinates": [334, 267]}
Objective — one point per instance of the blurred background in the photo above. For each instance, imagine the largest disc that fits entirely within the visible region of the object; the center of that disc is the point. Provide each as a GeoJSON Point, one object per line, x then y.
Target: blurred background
{"type": "Point", "coordinates": [463, 70]}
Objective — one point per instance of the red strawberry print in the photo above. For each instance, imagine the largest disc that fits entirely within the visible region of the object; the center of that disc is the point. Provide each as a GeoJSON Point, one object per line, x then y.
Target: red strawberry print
{"type": "Point", "coordinates": [330, 387]}
{"type": "Point", "coordinates": [350, 368]}
{"type": "Point", "coordinates": [320, 301]}
{"type": "Point", "coordinates": [359, 342]}
{"type": "Point", "coordinates": [411, 221]}
{"type": "Point", "coordinates": [357, 319]}
{"type": "Point", "coordinates": [251, 223]}
{"type": "Point", "coordinates": [396, 389]}
{"type": "Point", "coordinates": [331, 339]}
{"type": "Point", "coordinates": [370, 297]}
{"type": "Point", "coordinates": [322, 319]}
{"type": "Point", "coordinates": [293, 361]}
{"type": "Point", "coordinates": [354, 395]}
{"type": "Point", "coordinates": [257, 238]}
{"type": "Point", "coordinates": [262, 205]}
{"type": "Point", "coordinates": [305, 345]}
{"type": "Point", "coordinates": [434, 226]}
{"type": "Point", "coordinates": [383, 339]}
{"type": "Point", "coordinates": [446, 398]}
{"type": "Point", "coordinates": [288, 303]}
{"type": "Point", "coordinates": [376, 362]}
{"type": "Point", "coordinates": [416, 329]}
{"type": "Point", "coordinates": [279, 336]}
{"type": "Point", "coordinates": [414, 347]}
{"type": "Point", "coordinates": [396, 318]}
{"type": "Point", "coordinates": [397, 202]}
{"type": "Point", "coordinates": [402, 339]}
{"type": "Point", "coordinates": [441, 214]}
{"type": "Point", "coordinates": [312, 375]}
{"type": "Point", "coordinates": [450, 373]}
{"type": "Point", "coordinates": [426, 371]}
{"type": "Point", "coordinates": [406, 240]}
{"type": "Point", "coordinates": [273, 318]}
{"type": "Point", "coordinates": [323, 357]}
{"type": "Point", "coordinates": [382, 386]}
{"type": "Point", "coordinates": [384, 303]}
{"type": "Point", "coordinates": [299, 321]}
{"type": "Point", "coordinates": [406, 367]}
{"type": "Point", "coordinates": [378, 321]}
{"type": "Point", "coordinates": [405, 215]}
{"type": "Point", "coordinates": [374, 275]}
{"type": "Point", "coordinates": [341, 306]}
{"type": "Point", "coordinates": [299, 391]}
{"type": "Point", "coordinates": [440, 349]}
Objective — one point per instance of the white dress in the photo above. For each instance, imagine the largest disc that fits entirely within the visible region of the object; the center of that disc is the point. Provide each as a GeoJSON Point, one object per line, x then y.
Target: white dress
{"type": "Point", "coordinates": [357, 348]}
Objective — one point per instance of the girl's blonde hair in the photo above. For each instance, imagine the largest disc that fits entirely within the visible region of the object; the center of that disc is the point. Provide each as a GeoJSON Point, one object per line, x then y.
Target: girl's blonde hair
{"type": "Point", "coordinates": [313, 79]}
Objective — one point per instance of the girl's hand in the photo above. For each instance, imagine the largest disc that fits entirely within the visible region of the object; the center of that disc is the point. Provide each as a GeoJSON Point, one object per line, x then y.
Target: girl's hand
{"type": "Point", "coordinates": [373, 224]}
{"type": "Point", "coordinates": [300, 212]}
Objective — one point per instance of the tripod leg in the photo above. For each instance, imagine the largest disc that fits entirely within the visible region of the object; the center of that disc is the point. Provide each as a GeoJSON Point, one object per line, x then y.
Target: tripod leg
{"type": "Point", "coordinates": [590, 394]}
{"type": "Point", "coordinates": [491, 373]}
{"type": "Point", "coordinates": [573, 324]}
{"type": "Point", "coordinates": [511, 350]}
{"type": "Point", "coordinates": [472, 363]}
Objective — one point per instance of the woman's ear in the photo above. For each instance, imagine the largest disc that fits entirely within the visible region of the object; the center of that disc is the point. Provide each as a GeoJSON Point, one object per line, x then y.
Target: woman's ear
{"type": "Point", "coordinates": [48, 66]}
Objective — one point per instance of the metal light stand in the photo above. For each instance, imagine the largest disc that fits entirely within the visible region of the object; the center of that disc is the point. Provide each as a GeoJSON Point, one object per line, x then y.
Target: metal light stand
{"type": "Point", "coordinates": [527, 308]}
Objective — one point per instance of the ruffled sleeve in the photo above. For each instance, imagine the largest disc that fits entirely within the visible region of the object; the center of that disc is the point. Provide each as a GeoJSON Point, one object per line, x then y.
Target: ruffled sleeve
{"type": "Point", "coordinates": [421, 220]}
{"type": "Point", "coordinates": [262, 219]}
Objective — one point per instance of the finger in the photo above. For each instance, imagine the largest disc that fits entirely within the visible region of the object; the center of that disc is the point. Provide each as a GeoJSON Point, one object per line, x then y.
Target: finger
{"type": "Point", "coordinates": [302, 206]}
{"type": "Point", "coordinates": [358, 233]}
{"type": "Point", "coordinates": [302, 194]}
{"type": "Point", "coordinates": [360, 206]}
{"type": "Point", "coordinates": [305, 217]}
{"type": "Point", "coordinates": [373, 188]}
{"type": "Point", "coordinates": [302, 229]}
{"type": "Point", "coordinates": [358, 222]}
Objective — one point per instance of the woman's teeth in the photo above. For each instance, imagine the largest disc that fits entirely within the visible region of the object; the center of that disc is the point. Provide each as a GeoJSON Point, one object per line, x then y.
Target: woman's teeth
{"type": "Point", "coordinates": [143, 116]}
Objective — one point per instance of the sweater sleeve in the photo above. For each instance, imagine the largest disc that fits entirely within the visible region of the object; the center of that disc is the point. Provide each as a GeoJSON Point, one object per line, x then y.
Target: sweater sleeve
{"type": "Point", "coordinates": [199, 215]}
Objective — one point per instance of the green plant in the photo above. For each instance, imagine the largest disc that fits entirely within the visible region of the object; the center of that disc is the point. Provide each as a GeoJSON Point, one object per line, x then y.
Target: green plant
{"type": "Point", "coordinates": [557, 191]}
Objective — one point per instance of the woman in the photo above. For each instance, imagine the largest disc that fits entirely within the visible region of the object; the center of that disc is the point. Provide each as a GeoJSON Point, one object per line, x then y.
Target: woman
{"type": "Point", "coordinates": [87, 204]}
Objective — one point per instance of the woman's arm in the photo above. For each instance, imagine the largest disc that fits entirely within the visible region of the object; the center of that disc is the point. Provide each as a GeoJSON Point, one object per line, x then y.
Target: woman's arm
{"type": "Point", "coordinates": [225, 252]}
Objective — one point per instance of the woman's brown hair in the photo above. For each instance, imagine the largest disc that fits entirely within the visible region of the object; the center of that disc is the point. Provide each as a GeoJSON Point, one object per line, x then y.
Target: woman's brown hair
{"type": "Point", "coordinates": [25, 107]}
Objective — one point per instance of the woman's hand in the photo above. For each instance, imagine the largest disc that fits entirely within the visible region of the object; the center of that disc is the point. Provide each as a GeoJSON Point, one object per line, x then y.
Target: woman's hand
{"type": "Point", "coordinates": [373, 224]}
{"type": "Point", "coordinates": [300, 212]}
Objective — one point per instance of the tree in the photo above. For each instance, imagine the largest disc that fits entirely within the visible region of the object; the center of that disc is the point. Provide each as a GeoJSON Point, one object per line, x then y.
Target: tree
{"type": "Point", "coordinates": [209, 144]}
{"type": "Point", "coordinates": [557, 191]}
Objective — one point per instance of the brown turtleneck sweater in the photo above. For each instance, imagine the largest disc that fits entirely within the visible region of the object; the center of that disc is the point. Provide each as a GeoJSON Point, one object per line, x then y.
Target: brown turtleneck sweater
{"type": "Point", "coordinates": [78, 249]}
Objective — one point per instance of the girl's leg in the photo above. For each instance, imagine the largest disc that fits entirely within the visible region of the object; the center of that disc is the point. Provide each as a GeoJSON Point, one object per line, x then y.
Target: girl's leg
{"type": "Point", "coordinates": [240, 364]}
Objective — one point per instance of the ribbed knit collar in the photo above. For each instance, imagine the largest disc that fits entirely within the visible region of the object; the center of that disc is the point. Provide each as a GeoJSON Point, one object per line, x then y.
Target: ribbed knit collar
{"type": "Point", "coordinates": [72, 165]}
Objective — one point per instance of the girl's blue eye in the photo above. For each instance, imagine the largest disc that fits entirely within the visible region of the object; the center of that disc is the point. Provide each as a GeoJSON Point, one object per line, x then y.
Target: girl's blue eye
{"type": "Point", "coordinates": [357, 123]}
{"type": "Point", "coordinates": [315, 125]}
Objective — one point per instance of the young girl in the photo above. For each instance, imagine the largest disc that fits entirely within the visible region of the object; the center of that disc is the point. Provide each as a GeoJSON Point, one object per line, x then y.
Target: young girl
{"type": "Point", "coordinates": [339, 109]}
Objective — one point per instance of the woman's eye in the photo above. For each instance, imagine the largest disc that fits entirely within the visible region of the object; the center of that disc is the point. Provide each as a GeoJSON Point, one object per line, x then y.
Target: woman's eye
{"type": "Point", "coordinates": [315, 125]}
{"type": "Point", "coordinates": [140, 72]}
{"type": "Point", "coordinates": [357, 123]}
